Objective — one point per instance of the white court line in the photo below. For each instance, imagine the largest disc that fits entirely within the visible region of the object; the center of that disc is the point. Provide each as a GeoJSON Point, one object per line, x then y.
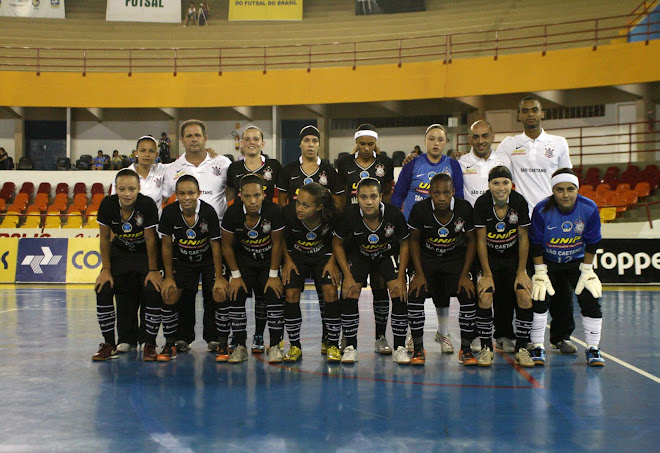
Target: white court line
{"type": "Point", "coordinates": [7, 311]}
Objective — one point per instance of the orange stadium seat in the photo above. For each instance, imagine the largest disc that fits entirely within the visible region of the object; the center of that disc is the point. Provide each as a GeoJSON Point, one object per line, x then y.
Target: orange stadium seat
{"type": "Point", "coordinates": [643, 189]}
{"type": "Point", "coordinates": [80, 201]}
{"type": "Point", "coordinates": [97, 198]}
{"type": "Point", "coordinates": [622, 187]}
{"type": "Point", "coordinates": [41, 201]}
{"type": "Point", "coordinates": [2, 204]}
{"type": "Point", "coordinates": [61, 201]}
{"type": "Point", "coordinates": [603, 188]}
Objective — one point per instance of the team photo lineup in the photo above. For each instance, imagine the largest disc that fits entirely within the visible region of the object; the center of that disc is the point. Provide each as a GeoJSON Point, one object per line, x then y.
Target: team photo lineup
{"type": "Point", "coordinates": [504, 231]}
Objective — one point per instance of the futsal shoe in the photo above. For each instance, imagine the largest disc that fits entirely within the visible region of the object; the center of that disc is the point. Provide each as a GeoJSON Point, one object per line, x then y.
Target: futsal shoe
{"type": "Point", "coordinates": [168, 353]}
{"type": "Point", "coordinates": [106, 351]}
{"type": "Point", "coordinates": [505, 345]}
{"type": "Point", "coordinates": [381, 346]}
{"type": "Point", "coordinates": [400, 356]}
{"type": "Point", "coordinates": [333, 355]}
{"type": "Point", "coordinates": [524, 359]}
{"type": "Point", "coordinates": [182, 346]}
{"type": "Point", "coordinates": [565, 347]}
{"type": "Point", "coordinates": [419, 356]}
{"type": "Point", "coordinates": [239, 355]}
{"type": "Point", "coordinates": [594, 358]}
{"type": "Point", "coordinates": [123, 347]}
{"type": "Point", "coordinates": [350, 355]}
{"type": "Point", "coordinates": [274, 354]}
{"type": "Point", "coordinates": [258, 344]}
{"type": "Point", "coordinates": [212, 346]}
{"type": "Point", "coordinates": [410, 344]}
{"type": "Point", "coordinates": [485, 357]}
{"type": "Point", "coordinates": [445, 343]}
{"type": "Point", "coordinates": [538, 355]}
{"type": "Point", "coordinates": [222, 354]}
{"type": "Point", "coordinates": [293, 354]}
{"type": "Point", "coordinates": [149, 352]}
{"type": "Point", "coordinates": [466, 357]}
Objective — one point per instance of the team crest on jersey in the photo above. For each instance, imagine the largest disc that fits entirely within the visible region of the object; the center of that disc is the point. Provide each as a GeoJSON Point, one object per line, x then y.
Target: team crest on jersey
{"type": "Point", "coordinates": [459, 224]}
{"type": "Point", "coordinates": [513, 217]}
{"type": "Point", "coordinates": [179, 174]}
{"type": "Point", "coordinates": [126, 227]}
{"type": "Point", "coordinates": [380, 170]}
{"type": "Point", "coordinates": [252, 234]}
{"type": "Point", "coordinates": [389, 230]}
{"type": "Point", "coordinates": [549, 150]}
{"type": "Point", "coordinates": [431, 175]}
{"type": "Point", "coordinates": [579, 226]}
{"type": "Point", "coordinates": [190, 233]}
{"type": "Point", "coordinates": [268, 174]}
{"type": "Point", "coordinates": [204, 227]}
{"type": "Point", "coordinates": [308, 181]}
{"type": "Point", "coordinates": [500, 227]}
{"type": "Point", "coordinates": [364, 174]}
{"type": "Point", "coordinates": [323, 179]}
{"type": "Point", "coordinates": [443, 232]}
{"type": "Point", "coordinates": [158, 181]}
{"type": "Point", "coordinates": [139, 219]}
{"type": "Point", "coordinates": [373, 239]}
{"type": "Point", "coordinates": [325, 230]}
{"type": "Point", "coordinates": [265, 227]}
{"type": "Point", "coordinates": [215, 170]}
{"type": "Point", "coordinates": [310, 236]}
{"type": "Point", "coordinates": [566, 226]}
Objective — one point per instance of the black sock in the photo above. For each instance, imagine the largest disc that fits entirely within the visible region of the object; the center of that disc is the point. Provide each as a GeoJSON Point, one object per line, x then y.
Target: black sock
{"type": "Point", "coordinates": [333, 322]}
{"type": "Point", "coordinates": [260, 314]}
{"type": "Point", "coordinates": [381, 305]}
{"type": "Point", "coordinates": [485, 326]}
{"type": "Point", "coordinates": [399, 322]}
{"type": "Point", "coordinates": [350, 320]}
{"type": "Point", "coordinates": [524, 317]}
{"type": "Point", "coordinates": [293, 322]}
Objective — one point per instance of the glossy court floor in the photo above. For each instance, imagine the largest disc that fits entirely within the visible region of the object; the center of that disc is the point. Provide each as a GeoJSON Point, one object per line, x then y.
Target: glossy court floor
{"type": "Point", "coordinates": [53, 398]}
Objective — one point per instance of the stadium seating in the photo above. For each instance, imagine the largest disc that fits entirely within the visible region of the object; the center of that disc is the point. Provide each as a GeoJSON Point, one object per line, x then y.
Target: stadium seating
{"type": "Point", "coordinates": [53, 220]}
{"type": "Point", "coordinates": [10, 221]}
{"type": "Point", "coordinates": [607, 214]}
{"type": "Point", "coordinates": [44, 187]}
{"type": "Point", "coordinates": [27, 188]}
{"type": "Point", "coordinates": [80, 187]}
{"type": "Point", "coordinates": [62, 188]}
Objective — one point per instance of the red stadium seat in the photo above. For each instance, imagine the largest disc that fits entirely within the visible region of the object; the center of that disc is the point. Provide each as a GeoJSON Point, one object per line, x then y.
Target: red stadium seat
{"type": "Point", "coordinates": [7, 190]}
{"type": "Point", "coordinates": [44, 187]}
{"type": "Point", "coordinates": [27, 188]}
{"type": "Point", "coordinates": [97, 187]}
{"type": "Point", "coordinates": [62, 188]}
{"type": "Point", "coordinates": [80, 187]}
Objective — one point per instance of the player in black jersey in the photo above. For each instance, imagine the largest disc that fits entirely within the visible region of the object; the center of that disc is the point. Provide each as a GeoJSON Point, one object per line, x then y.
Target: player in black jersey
{"type": "Point", "coordinates": [310, 223]}
{"type": "Point", "coordinates": [442, 261]}
{"type": "Point", "coordinates": [501, 217]}
{"type": "Point", "coordinates": [252, 245]}
{"type": "Point", "coordinates": [191, 247]}
{"type": "Point", "coordinates": [366, 161]}
{"type": "Point", "coordinates": [371, 237]}
{"type": "Point", "coordinates": [252, 145]}
{"type": "Point", "coordinates": [307, 169]}
{"type": "Point", "coordinates": [130, 271]}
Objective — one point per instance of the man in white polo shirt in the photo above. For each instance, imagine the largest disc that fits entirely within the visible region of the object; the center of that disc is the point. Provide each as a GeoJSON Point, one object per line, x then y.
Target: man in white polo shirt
{"type": "Point", "coordinates": [535, 156]}
{"type": "Point", "coordinates": [211, 173]}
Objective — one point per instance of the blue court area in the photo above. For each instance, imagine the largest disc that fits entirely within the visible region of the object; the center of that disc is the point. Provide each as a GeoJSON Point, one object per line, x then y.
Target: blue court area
{"type": "Point", "coordinates": [54, 398]}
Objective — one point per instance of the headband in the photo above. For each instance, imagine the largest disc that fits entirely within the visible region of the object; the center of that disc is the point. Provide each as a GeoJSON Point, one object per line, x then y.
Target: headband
{"type": "Point", "coordinates": [435, 126]}
{"type": "Point", "coordinates": [499, 172]}
{"type": "Point", "coordinates": [146, 137]}
{"type": "Point", "coordinates": [369, 133]}
{"type": "Point", "coordinates": [253, 127]}
{"type": "Point", "coordinates": [565, 177]}
{"type": "Point", "coordinates": [308, 130]}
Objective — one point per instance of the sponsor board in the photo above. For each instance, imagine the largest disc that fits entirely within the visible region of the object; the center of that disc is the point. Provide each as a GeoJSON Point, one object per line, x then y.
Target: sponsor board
{"type": "Point", "coordinates": [8, 258]}
{"type": "Point", "coordinates": [84, 260]}
{"type": "Point", "coordinates": [265, 9]}
{"type": "Point", "coordinates": [41, 260]}
{"type": "Point", "coordinates": [629, 261]}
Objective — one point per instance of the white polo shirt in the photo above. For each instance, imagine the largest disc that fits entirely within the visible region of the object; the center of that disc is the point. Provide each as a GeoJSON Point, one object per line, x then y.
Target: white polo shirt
{"type": "Point", "coordinates": [534, 161]}
{"type": "Point", "coordinates": [152, 185]}
{"type": "Point", "coordinates": [211, 174]}
{"type": "Point", "coordinates": [475, 172]}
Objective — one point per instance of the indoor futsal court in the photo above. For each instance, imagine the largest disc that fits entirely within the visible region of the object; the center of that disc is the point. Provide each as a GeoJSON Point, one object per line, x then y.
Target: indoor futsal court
{"type": "Point", "coordinates": [56, 399]}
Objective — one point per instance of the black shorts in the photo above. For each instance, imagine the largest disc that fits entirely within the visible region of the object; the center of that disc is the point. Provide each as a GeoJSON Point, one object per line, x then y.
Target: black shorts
{"type": "Point", "coordinates": [442, 276]}
{"type": "Point", "coordinates": [124, 262]}
{"type": "Point", "coordinates": [502, 263]}
{"type": "Point", "coordinates": [387, 267]}
{"type": "Point", "coordinates": [187, 276]}
{"type": "Point", "coordinates": [308, 267]}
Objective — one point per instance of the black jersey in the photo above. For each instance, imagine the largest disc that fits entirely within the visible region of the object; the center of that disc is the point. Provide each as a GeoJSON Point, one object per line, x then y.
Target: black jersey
{"type": "Point", "coordinates": [192, 243]}
{"type": "Point", "coordinates": [501, 234]}
{"type": "Point", "coordinates": [253, 243]}
{"type": "Point", "coordinates": [382, 242]}
{"type": "Point", "coordinates": [439, 239]}
{"type": "Point", "coordinates": [269, 171]}
{"type": "Point", "coordinates": [292, 178]}
{"type": "Point", "coordinates": [351, 173]}
{"type": "Point", "coordinates": [129, 234]}
{"type": "Point", "coordinates": [303, 241]}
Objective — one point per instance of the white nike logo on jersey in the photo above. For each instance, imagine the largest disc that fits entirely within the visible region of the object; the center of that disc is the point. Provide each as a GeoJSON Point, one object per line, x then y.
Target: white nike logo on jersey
{"type": "Point", "coordinates": [351, 172]}
{"type": "Point", "coordinates": [357, 233]}
{"type": "Point", "coordinates": [423, 174]}
{"type": "Point", "coordinates": [177, 227]}
{"type": "Point", "coordinates": [551, 228]}
{"type": "Point", "coordinates": [295, 177]}
{"type": "Point", "coordinates": [295, 231]}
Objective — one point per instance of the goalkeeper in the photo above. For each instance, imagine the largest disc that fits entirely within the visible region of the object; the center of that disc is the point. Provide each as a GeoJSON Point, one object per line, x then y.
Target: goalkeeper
{"type": "Point", "coordinates": [564, 235]}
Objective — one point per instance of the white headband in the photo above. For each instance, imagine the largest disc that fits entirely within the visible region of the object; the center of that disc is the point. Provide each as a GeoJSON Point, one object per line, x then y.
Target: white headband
{"type": "Point", "coordinates": [565, 177]}
{"type": "Point", "coordinates": [373, 134]}
{"type": "Point", "coordinates": [145, 137]}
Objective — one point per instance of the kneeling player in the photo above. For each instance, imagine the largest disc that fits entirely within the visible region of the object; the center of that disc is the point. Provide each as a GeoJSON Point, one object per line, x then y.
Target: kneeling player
{"type": "Point", "coordinates": [501, 219]}
{"type": "Point", "coordinates": [191, 247]}
{"type": "Point", "coordinates": [371, 237]}
{"type": "Point", "coordinates": [442, 262]}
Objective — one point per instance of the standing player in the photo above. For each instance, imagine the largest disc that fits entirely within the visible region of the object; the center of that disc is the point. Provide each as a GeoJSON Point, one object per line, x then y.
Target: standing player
{"type": "Point", "coordinates": [501, 220]}
{"type": "Point", "coordinates": [129, 270]}
{"type": "Point", "coordinates": [254, 162]}
{"type": "Point", "coordinates": [366, 161]}
{"type": "Point", "coordinates": [565, 234]}
{"type": "Point", "coordinates": [371, 237]}
{"type": "Point", "coordinates": [535, 156]}
{"type": "Point", "coordinates": [191, 247]}
{"type": "Point", "coordinates": [252, 244]}
{"type": "Point", "coordinates": [211, 173]}
{"type": "Point", "coordinates": [310, 223]}
{"type": "Point", "coordinates": [442, 264]}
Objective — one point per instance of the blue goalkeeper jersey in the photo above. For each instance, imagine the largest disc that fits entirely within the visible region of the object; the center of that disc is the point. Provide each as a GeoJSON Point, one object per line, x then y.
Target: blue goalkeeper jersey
{"type": "Point", "coordinates": [415, 180]}
{"type": "Point", "coordinates": [564, 236]}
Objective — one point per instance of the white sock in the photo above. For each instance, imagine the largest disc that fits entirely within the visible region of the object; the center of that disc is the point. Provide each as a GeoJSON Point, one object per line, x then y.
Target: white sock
{"type": "Point", "coordinates": [537, 334]}
{"type": "Point", "coordinates": [443, 320]}
{"type": "Point", "coordinates": [592, 328]}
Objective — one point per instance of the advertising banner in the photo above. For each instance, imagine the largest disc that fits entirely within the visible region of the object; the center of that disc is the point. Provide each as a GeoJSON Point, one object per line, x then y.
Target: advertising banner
{"type": "Point", "coordinates": [42, 260]}
{"type": "Point", "coordinates": [8, 258]}
{"type": "Point", "coordinates": [84, 262]}
{"type": "Point", "coordinates": [628, 261]}
{"type": "Point", "coordinates": [144, 10]}
{"type": "Point", "coordinates": [265, 9]}
{"type": "Point", "coordinates": [49, 232]}
{"type": "Point", "coordinates": [50, 9]}
{"type": "Point", "coordinates": [366, 7]}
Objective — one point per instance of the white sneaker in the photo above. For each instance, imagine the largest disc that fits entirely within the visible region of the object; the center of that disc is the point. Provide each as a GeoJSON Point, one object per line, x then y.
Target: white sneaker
{"type": "Point", "coordinates": [506, 345]}
{"type": "Point", "coordinates": [350, 355]}
{"type": "Point", "coordinates": [476, 345]}
{"type": "Point", "coordinates": [400, 356]}
{"type": "Point", "coordinates": [123, 347]}
{"type": "Point", "coordinates": [381, 346]}
{"type": "Point", "coordinates": [445, 343]}
{"type": "Point", "coordinates": [485, 357]}
{"type": "Point", "coordinates": [274, 354]}
{"type": "Point", "coordinates": [410, 344]}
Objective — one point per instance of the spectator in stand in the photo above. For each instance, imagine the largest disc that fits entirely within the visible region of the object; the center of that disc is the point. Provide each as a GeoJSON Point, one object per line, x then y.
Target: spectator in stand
{"type": "Point", "coordinates": [133, 157]}
{"type": "Point", "coordinates": [164, 148]}
{"type": "Point", "coordinates": [204, 13]}
{"type": "Point", "coordinates": [116, 160]}
{"type": "Point", "coordinates": [191, 15]}
{"type": "Point", "coordinates": [99, 161]}
{"type": "Point", "coordinates": [417, 150]}
{"type": "Point", "coordinates": [4, 159]}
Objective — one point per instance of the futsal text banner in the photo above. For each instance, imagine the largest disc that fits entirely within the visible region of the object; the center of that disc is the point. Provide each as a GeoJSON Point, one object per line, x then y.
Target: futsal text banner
{"type": "Point", "coordinates": [265, 9]}
{"type": "Point", "coordinates": [144, 11]}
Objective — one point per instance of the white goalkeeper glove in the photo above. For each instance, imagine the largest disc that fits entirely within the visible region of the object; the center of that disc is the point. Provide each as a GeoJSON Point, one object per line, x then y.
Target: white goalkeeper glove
{"type": "Point", "coordinates": [541, 283]}
{"type": "Point", "coordinates": [588, 279]}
